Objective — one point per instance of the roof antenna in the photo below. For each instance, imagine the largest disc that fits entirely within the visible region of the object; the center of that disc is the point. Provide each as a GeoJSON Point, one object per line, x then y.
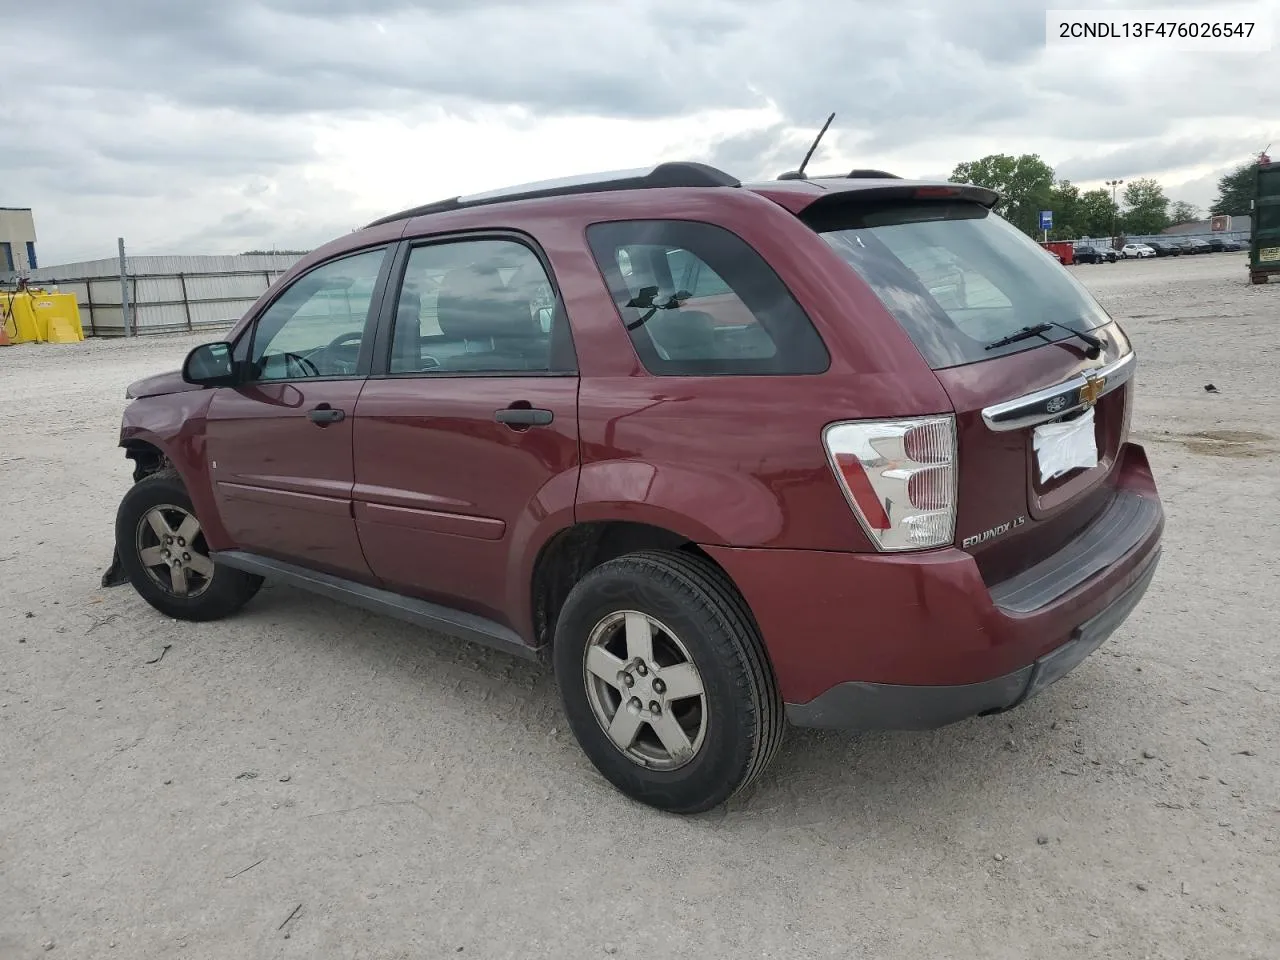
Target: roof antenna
{"type": "Point", "coordinates": [799, 174]}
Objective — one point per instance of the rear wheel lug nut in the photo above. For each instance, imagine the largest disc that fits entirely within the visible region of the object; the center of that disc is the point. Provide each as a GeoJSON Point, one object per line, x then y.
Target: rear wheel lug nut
{"type": "Point", "coordinates": [655, 708]}
{"type": "Point", "coordinates": [659, 686]}
{"type": "Point", "coordinates": [635, 704]}
{"type": "Point", "coordinates": [641, 669]}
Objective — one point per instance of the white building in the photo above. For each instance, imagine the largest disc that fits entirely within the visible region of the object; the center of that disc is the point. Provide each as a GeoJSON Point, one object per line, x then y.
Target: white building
{"type": "Point", "coordinates": [17, 240]}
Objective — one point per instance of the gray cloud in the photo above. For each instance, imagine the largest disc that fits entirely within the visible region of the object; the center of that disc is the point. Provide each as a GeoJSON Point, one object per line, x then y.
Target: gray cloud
{"type": "Point", "coordinates": [1139, 159]}
{"type": "Point", "coordinates": [198, 120]}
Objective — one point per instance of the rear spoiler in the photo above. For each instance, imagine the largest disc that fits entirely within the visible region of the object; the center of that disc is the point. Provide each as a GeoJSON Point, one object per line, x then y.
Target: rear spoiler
{"type": "Point", "coordinates": [836, 192]}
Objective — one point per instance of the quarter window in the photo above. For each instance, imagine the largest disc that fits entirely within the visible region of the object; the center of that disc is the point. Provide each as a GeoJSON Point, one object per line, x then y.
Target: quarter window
{"type": "Point", "coordinates": [698, 301]}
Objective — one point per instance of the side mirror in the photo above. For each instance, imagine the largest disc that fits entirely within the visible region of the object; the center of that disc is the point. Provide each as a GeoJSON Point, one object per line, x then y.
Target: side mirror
{"type": "Point", "coordinates": [210, 365]}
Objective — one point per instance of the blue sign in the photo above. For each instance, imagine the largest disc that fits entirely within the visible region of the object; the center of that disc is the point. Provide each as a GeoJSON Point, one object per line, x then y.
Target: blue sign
{"type": "Point", "coordinates": [1046, 219]}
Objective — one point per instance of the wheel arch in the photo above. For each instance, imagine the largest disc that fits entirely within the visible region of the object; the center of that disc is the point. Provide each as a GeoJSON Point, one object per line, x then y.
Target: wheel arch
{"type": "Point", "coordinates": [574, 551]}
{"type": "Point", "coordinates": [147, 457]}
{"type": "Point", "coordinates": [184, 454]}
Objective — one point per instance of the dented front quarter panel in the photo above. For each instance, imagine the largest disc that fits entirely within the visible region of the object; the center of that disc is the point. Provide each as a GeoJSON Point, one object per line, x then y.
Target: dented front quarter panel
{"type": "Point", "coordinates": [174, 423]}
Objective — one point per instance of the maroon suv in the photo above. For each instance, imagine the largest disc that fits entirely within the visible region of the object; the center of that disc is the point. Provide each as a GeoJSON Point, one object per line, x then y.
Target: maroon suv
{"type": "Point", "coordinates": [850, 451]}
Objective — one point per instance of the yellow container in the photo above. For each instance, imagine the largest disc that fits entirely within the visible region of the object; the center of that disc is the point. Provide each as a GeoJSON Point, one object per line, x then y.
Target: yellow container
{"type": "Point", "coordinates": [40, 317]}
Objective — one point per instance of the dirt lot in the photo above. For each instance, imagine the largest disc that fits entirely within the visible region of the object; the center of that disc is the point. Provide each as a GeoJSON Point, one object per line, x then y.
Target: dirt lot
{"type": "Point", "coordinates": [419, 798]}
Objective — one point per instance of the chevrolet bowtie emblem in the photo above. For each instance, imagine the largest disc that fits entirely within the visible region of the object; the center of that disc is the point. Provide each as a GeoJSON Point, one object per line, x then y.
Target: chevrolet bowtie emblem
{"type": "Point", "coordinates": [1092, 390]}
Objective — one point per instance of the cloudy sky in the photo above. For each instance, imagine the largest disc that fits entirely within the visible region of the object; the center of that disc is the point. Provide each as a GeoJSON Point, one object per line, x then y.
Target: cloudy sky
{"type": "Point", "coordinates": [193, 127]}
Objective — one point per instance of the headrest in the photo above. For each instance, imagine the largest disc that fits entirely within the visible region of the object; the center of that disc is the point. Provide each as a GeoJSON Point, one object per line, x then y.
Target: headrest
{"type": "Point", "coordinates": [473, 303]}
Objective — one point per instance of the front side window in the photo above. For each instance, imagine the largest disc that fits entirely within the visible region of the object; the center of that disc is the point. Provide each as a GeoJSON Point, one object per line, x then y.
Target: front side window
{"type": "Point", "coordinates": [697, 300]}
{"type": "Point", "coordinates": [315, 328]}
{"type": "Point", "coordinates": [481, 307]}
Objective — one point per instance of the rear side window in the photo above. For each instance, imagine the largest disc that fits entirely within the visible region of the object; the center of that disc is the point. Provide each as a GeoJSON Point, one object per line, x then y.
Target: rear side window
{"type": "Point", "coordinates": [483, 306]}
{"type": "Point", "coordinates": [698, 301]}
{"type": "Point", "coordinates": [957, 277]}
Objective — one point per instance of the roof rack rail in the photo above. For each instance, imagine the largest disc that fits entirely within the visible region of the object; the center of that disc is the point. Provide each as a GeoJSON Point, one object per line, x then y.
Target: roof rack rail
{"type": "Point", "coordinates": [871, 175]}
{"type": "Point", "coordinates": [672, 174]}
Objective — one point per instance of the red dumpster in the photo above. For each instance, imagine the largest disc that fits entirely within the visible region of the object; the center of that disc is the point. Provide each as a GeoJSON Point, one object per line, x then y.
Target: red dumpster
{"type": "Point", "coordinates": [1065, 250]}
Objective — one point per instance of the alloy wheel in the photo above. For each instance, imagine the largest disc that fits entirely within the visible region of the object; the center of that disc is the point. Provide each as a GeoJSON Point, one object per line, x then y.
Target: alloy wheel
{"type": "Point", "coordinates": [645, 690]}
{"type": "Point", "coordinates": [173, 551]}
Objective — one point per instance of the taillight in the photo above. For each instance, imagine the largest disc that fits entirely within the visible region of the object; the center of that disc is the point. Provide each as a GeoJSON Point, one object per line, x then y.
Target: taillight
{"type": "Point", "coordinates": [900, 478]}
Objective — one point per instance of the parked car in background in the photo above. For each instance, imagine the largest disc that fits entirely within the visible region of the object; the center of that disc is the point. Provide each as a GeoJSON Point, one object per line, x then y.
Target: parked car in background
{"type": "Point", "coordinates": [1199, 246]}
{"type": "Point", "coordinates": [1136, 251]}
{"type": "Point", "coordinates": [1182, 243]}
{"type": "Point", "coordinates": [1088, 253]}
{"type": "Point", "coordinates": [1223, 245]}
{"type": "Point", "coordinates": [847, 452]}
{"type": "Point", "coordinates": [1164, 249]}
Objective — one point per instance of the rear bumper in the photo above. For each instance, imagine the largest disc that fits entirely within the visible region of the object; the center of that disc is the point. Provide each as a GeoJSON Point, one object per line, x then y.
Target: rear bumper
{"type": "Point", "coordinates": [879, 641]}
{"type": "Point", "coordinates": [880, 706]}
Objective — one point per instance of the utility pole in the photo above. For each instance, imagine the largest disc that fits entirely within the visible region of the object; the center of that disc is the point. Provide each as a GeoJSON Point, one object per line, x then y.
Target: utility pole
{"type": "Point", "coordinates": [1113, 184]}
{"type": "Point", "coordinates": [129, 328]}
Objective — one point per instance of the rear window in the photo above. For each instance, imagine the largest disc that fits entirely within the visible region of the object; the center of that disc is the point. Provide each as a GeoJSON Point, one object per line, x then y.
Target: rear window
{"type": "Point", "coordinates": [697, 300]}
{"type": "Point", "coordinates": [957, 277]}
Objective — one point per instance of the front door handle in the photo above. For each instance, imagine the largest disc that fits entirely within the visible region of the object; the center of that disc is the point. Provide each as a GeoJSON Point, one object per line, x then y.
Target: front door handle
{"type": "Point", "coordinates": [324, 415]}
{"type": "Point", "coordinates": [524, 417]}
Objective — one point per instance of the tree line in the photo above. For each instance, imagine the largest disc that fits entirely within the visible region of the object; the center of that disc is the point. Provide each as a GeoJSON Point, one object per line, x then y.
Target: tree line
{"type": "Point", "coordinates": [1028, 185]}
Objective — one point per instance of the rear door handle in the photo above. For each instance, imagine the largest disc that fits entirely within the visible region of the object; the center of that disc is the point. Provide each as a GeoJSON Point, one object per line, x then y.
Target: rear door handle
{"type": "Point", "coordinates": [524, 417]}
{"type": "Point", "coordinates": [324, 415]}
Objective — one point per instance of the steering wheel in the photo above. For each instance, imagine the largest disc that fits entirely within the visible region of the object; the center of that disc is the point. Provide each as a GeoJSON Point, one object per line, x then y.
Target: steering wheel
{"type": "Point", "coordinates": [308, 368]}
{"type": "Point", "coordinates": [342, 339]}
{"type": "Point", "coordinates": [333, 351]}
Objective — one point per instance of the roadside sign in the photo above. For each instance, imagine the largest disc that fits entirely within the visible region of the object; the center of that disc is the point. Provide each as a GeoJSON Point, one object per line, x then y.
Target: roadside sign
{"type": "Point", "coordinates": [1046, 219]}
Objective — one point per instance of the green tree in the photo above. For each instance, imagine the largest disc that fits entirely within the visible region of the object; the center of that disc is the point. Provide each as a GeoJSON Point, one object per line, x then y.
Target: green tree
{"type": "Point", "coordinates": [1025, 184]}
{"type": "Point", "coordinates": [1235, 191]}
{"type": "Point", "coordinates": [1064, 201]}
{"type": "Point", "coordinates": [1148, 207]}
{"type": "Point", "coordinates": [1183, 212]}
{"type": "Point", "coordinates": [1097, 213]}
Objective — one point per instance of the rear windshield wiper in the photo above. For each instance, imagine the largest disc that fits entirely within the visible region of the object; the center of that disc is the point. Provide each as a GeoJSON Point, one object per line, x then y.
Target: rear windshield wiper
{"type": "Point", "coordinates": [1026, 333]}
{"type": "Point", "coordinates": [1040, 329]}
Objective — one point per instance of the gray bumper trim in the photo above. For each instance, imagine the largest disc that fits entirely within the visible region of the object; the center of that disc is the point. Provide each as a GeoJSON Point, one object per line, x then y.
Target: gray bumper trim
{"type": "Point", "coordinates": [1126, 521]}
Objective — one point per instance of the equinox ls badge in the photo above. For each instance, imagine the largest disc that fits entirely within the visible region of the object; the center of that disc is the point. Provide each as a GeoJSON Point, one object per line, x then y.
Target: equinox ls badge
{"type": "Point", "coordinates": [991, 534]}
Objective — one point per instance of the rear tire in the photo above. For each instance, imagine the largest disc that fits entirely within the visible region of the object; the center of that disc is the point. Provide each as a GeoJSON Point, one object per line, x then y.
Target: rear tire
{"type": "Point", "coordinates": [163, 551]}
{"type": "Point", "coordinates": [665, 681]}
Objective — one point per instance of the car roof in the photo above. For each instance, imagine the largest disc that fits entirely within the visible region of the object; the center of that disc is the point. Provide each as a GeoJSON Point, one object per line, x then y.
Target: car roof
{"type": "Point", "coordinates": [795, 193]}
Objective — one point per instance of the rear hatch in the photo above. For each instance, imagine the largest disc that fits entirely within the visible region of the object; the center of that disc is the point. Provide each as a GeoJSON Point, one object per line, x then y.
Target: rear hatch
{"type": "Point", "coordinates": [1036, 369]}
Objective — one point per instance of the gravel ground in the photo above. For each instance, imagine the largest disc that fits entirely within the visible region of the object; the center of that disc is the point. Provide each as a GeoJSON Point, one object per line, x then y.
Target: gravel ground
{"type": "Point", "coordinates": [307, 780]}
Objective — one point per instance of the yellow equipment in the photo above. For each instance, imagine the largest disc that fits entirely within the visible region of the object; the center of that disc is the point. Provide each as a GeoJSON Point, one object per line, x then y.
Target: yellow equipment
{"type": "Point", "coordinates": [36, 316]}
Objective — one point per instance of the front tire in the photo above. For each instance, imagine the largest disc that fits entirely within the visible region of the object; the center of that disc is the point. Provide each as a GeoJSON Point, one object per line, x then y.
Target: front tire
{"type": "Point", "coordinates": [163, 551]}
{"type": "Point", "coordinates": [665, 681]}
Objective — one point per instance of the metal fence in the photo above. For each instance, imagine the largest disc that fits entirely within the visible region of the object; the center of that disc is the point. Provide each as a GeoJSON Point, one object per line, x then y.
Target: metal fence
{"type": "Point", "coordinates": [165, 294]}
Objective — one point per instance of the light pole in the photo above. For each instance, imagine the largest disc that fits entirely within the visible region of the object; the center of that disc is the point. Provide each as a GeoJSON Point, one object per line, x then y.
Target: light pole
{"type": "Point", "coordinates": [1113, 184]}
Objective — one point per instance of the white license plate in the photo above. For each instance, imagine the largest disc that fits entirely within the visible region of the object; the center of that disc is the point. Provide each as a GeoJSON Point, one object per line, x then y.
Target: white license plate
{"type": "Point", "coordinates": [1063, 447]}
